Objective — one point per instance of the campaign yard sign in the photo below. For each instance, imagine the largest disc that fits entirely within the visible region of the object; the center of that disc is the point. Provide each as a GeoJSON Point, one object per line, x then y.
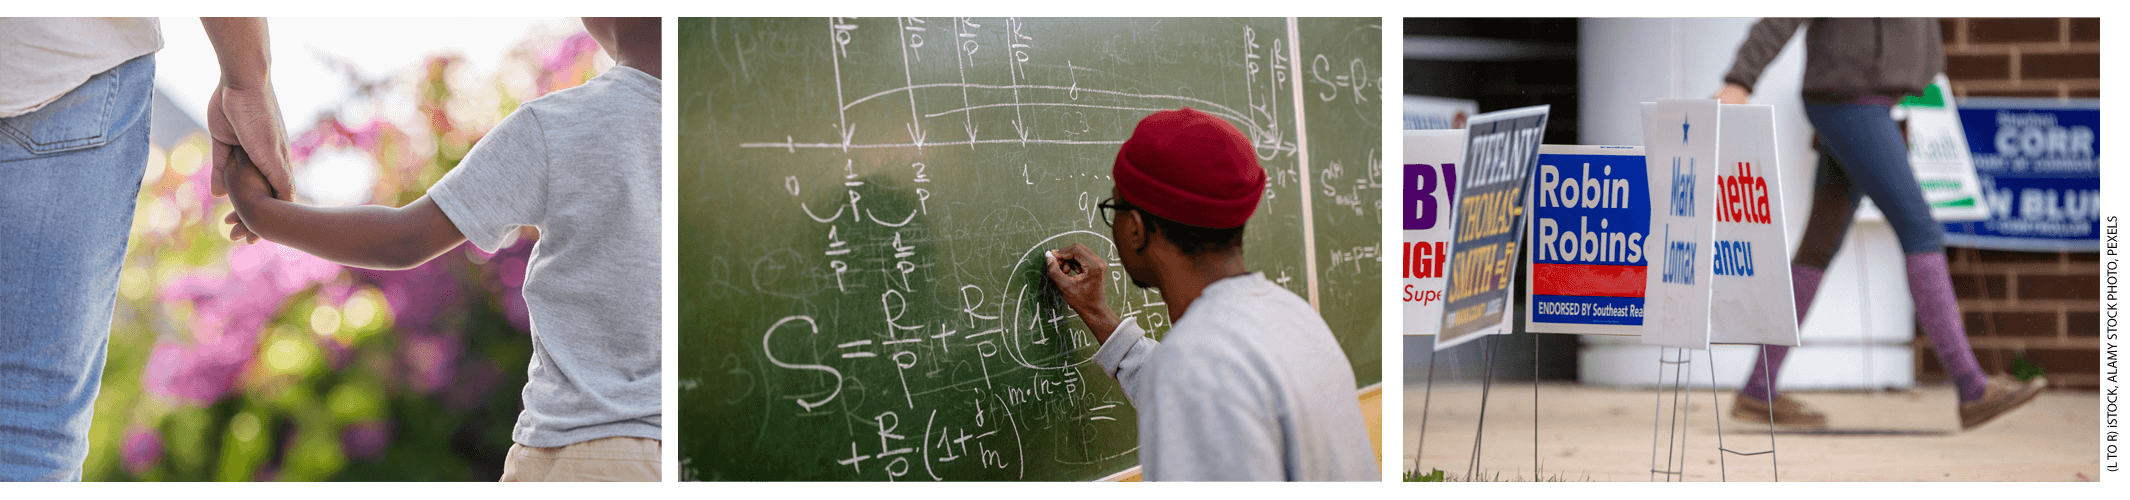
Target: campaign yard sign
{"type": "Point", "coordinates": [1430, 184]}
{"type": "Point", "coordinates": [1938, 155]}
{"type": "Point", "coordinates": [2039, 163]}
{"type": "Point", "coordinates": [1680, 138]}
{"type": "Point", "coordinates": [1751, 292]}
{"type": "Point", "coordinates": [1589, 240]}
{"type": "Point", "coordinates": [1501, 149]}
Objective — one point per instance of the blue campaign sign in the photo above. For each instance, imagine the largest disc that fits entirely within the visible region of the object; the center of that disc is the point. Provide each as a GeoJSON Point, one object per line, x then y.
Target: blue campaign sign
{"type": "Point", "coordinates": [2038, 161]}
{"type": "Point", "coordinates": [1589, 228]}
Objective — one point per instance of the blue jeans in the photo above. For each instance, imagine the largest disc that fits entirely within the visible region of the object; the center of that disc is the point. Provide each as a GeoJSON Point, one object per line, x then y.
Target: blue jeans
{"type": "Point", "coordinates": [1863, 154]}
{"type": "Point", "coordinates": [69, 175]}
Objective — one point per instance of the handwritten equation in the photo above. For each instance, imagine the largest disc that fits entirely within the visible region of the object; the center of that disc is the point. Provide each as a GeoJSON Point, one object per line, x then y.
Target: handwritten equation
{"type": "Point", "coordinates": [879, 311]}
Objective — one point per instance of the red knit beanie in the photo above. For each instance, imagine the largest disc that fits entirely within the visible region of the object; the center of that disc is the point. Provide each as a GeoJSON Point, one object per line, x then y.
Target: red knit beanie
{"type": "Point", "coordinates": [1190, 167]}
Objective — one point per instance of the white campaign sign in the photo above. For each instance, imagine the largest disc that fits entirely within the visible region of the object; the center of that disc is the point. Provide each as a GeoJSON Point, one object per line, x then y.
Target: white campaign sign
{"type": "Point", "coordinates": [1431, 158]}
{"type": "Point", "coordinates": [1752, 302]}
{"type": "Point", "coordinates": [1680, 137]}
{"type": "Point", "coordinates": [1938, 154]}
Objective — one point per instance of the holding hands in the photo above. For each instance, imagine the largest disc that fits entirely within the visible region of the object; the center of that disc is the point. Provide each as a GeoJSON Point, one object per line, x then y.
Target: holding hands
{"type": "Point", "coordinates": [243, 117]}
{"type": "Point", "coordinates": [246, 126]}
{"type": "Point", "coordinates": [243, 182]}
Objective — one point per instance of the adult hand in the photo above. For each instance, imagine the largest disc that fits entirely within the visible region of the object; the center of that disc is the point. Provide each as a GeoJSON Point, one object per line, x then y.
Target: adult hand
{"type": "Point", "coordinates": [242, 112]}
{"type": "Point", "coordinates": [1733, 93]}
{"type": "Point", "coordinates": [247, 121]}
{"type": "Point", "coordinates": [1080, 276]}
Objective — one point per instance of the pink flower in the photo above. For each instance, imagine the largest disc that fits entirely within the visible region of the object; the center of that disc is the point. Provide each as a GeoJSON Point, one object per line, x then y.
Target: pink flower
{"type": "Point", "coordinates": [503, 276]}
{"type": "Point", "coordinates": [202, 183]}
{"type": "Point", "coordinates": [325, 135]}
{"type": "Point", "coordinates": [417, 296]}
{"type": "Point", "coordinates": [229, 312]}
{"type": "Point", "coordinates": [514, 310]}
{"type": "Point", "coordinates": [286, 269]}
{"type": "Point", "coordinates": [475, 379]}
{"type": "Point", "coordinates": [366, 440]}
{"type": "Point", "coordinates": [432, 360]}
{"type": "Point", "coordinates": [142, 450]}
{"type": "Point", "coordinates": [201, 375]}
{"type": "Point", "coordinates": [510, 269]}
{"type": "Point", "coordinates": [564, 67]}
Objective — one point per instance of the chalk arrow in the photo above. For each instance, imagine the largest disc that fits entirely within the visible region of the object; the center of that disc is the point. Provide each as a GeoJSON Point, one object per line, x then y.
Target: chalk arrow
{"type": "Point", "coordinates": [1023, 131]}
{"type": "Point", "coordinates": [847, 131]}
{"type": "Point", "coordinates": [916, 136]}
{"type": "Point", "coordinates": [1069, 71]}
{"type": "Point", "coordinates": [971, 128]}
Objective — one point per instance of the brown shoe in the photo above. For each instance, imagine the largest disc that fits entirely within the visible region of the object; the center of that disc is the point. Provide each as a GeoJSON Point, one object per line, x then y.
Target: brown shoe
{"type": "Point", "coordinates": [1788, 412]}
{"type": "Point", "coordinates": [2001, 396]}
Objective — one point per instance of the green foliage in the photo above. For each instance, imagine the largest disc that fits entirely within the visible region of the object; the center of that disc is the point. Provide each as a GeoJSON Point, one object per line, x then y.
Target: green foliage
{"type": "Point", "coordinates": [234, 362]}
{"type": "Point", "coordinates": [2023, 369]}
{"type": "Point", "coordinates": [1414, 476]}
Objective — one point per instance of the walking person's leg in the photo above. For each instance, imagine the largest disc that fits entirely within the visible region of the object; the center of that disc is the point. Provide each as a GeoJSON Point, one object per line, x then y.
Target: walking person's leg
{"type": "Point", "coordinates": [1827, 225]}
{"type": "Point", "coordinates": [1867, 142]}
{"type": "Point", "coordinates": [71, 171]}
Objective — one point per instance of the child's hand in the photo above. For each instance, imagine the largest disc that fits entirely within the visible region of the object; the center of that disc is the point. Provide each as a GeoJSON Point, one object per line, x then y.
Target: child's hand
{"type": "Point", "coordinates": [244, 179]}
{"type": "Point", "coordinates": [245, 184]}
{"type": "Point", "coordinates": [238, 231]}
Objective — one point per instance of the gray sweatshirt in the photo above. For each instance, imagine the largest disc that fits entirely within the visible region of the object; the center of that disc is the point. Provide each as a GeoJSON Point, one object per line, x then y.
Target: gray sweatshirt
{"type": "Point", "coordinates": [1848, 58]}
{"type": "Point", "coordinates": [1250, 386]}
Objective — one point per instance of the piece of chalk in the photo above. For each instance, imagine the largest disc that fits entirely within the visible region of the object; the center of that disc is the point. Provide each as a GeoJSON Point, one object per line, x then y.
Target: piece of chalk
{"type": "Point", "coordinates": [1050, 254]}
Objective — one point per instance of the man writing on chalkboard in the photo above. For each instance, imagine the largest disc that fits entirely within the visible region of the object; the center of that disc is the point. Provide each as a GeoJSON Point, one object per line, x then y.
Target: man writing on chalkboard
{"type": "Point", "coordinates": [1249, 384]}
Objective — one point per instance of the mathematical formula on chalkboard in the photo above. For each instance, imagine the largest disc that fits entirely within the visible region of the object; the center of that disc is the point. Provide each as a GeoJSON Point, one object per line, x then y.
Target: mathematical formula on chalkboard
{"type": "Point", "coordinates": [866, 204]}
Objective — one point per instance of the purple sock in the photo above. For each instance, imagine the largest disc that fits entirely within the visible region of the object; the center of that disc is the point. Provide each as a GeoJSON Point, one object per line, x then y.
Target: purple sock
{"type": "Point", "coordinates": [1804, 283]}
{"type": "Point", "coordinates": [1930, 283]}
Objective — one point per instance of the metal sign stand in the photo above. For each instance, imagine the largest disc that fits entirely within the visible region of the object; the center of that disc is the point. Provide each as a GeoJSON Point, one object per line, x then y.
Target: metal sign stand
{"type": "Point", "coordinates": [1674, 468]}
{"type": "Point", "coordinates": [1485, 390]}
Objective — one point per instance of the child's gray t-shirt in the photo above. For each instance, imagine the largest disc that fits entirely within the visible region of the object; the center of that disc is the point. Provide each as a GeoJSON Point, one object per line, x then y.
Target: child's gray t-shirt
{"type": "Point", "coordinates": [582, 165]}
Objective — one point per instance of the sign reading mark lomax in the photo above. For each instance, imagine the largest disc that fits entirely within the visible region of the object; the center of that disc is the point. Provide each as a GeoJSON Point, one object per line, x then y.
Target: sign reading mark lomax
{"type": "Point", "coordinates": [1679, 137]}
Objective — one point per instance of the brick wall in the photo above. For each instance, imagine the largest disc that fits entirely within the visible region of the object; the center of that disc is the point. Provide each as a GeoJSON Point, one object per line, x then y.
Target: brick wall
{"type": "Point", "coordinates": [2044, 306]}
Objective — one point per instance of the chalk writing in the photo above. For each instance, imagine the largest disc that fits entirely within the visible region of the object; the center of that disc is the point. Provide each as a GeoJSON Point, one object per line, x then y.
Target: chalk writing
{"type": "Point", "coordinates": [928, 164]}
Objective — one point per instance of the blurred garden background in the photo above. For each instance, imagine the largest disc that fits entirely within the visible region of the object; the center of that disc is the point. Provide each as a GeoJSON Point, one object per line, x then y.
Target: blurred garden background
{"type": "Point", "coordinates": [239, 362]}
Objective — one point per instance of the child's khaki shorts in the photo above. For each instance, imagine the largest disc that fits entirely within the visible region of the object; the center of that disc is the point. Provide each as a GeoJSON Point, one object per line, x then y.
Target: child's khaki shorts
{"type": "Point", "coordinates": [605, 459]}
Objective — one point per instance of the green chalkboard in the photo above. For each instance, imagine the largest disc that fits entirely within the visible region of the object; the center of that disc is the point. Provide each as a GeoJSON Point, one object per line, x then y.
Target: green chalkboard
{"type": "Point", "coordinates": [864, 204]}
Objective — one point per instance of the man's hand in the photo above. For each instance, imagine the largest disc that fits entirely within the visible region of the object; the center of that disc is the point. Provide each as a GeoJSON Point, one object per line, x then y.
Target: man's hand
{"type": "Point", "coordinates": [1080, 276]}
{"type": "Point", "coordinates": [248, 122]}
{"type": "Point", "coordinates": [242, 111]}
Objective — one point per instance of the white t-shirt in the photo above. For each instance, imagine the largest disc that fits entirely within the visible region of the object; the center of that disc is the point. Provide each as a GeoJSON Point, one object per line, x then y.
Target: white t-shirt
{"type": "Point", "coordinates": [1250, 386]}
{"type": "Point", "coordinates": [42, 58]}
{"type": "Point", "coordinates": [581, 164]}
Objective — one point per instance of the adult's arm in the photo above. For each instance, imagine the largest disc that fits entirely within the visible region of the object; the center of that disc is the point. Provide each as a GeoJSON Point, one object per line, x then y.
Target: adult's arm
{"type": "Point", "coordinates": [1762, 43]}
{"type": "Point", "coordinates": [242, 112]}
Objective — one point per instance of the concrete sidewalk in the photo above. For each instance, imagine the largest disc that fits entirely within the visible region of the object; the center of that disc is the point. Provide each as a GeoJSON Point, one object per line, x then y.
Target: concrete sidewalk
{"type": "Point", "coordinates": [1593, 434]}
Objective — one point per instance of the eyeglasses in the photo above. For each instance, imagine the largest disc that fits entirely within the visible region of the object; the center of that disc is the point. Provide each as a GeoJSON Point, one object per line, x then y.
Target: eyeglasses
{"type": "Point", "coordinates": [1110, 206]}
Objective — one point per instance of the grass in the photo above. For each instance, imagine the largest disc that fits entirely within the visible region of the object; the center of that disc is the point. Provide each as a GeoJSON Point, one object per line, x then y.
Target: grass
{"type": "Point", "coordinates": [1415, 476]}
{"type": "Point", "coordinates": [2024, 370]}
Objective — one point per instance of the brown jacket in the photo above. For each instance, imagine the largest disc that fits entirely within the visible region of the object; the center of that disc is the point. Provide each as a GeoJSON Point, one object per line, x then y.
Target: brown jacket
{"type": "Point", "coordinates": [1847, 58]}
